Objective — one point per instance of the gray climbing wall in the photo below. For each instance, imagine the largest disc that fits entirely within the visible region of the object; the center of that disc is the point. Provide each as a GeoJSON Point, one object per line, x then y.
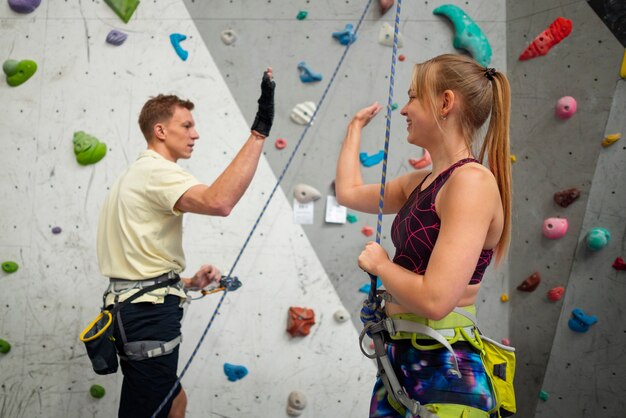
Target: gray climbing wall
{"type": "Point", "coordinates": [553, 155]}
{"type": "Point", "coordinates": [85, 84]}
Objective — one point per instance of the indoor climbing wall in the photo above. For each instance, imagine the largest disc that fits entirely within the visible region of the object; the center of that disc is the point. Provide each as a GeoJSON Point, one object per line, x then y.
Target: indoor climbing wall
{"type": "Point", "coordinates": [51, 199]}
{"type": "Point", "coordinates": [246, 35]}
{"type": "Point", "coordinates": [555, 154]}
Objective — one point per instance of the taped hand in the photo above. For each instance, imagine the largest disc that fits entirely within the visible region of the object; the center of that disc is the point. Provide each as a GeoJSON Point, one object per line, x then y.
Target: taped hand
{"type": "Point", "coordinates": [265, 115]}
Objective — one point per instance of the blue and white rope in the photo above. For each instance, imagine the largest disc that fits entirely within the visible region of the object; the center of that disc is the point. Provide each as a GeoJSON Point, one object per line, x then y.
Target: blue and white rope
{"type": "Point", "coordinates": [256, 223]}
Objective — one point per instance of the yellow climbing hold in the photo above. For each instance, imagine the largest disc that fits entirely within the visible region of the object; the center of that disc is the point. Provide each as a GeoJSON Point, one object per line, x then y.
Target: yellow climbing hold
{"type": "Point", "coordinates": [504, 298]}
{"type": "Point", "coordinates": [622, 71]}
{"type": "Point", "coordinates": [610, 139]}
{"type": "Point", "coordinates": [513, 158]}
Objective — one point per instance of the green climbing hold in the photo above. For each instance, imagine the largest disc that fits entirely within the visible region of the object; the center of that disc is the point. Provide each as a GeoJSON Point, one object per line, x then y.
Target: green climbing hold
{"type": "Point", "coordinates": [352, 218]}
{"type": "Point", "coordinates": [10, 266]}
{"type": "Point", "coordinates": [88, 149]}
{"type": "Point", "coordinates": [302, 14]}
{"type": "Point", "coordinates": [97, 391]}
{"type": "Point", "coordinates": [543, 395]}
{"type": "Point", "coordinates": [18, 72]}
{"type": "Point", "coordinates": [5, 347]}
{"type": "Point", "coordinates": [123, 8]}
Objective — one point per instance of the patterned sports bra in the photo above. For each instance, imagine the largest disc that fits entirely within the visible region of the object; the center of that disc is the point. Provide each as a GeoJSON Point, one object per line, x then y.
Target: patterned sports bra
{"type": "Point", "coordinates": [416, 227]}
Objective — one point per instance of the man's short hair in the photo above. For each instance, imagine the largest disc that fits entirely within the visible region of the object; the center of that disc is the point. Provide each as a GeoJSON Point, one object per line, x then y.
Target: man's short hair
{"type": "Point", "coordinates": [159, 109]}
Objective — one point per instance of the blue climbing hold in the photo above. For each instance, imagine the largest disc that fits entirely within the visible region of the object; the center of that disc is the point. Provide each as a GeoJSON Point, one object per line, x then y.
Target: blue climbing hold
{"type": "Point", "coordinates": [346, 36]}
{"type": "Point", "coordinates": [370, 160]}
{"type": "Point", "coordinates": [306, 74]}
{"type": "Point", "coordinates": [176, 39]}
{"type": "Point", "coordinates": [366, 287]}
{"type": "Point", "coordinates": [580, 322]}
{"type": "Point", "coordinates": [234, 372]}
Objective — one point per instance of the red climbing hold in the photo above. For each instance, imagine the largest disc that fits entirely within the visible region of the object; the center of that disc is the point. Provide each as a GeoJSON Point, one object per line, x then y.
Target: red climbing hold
{"type": "Point", "coordinates": [555, 294]}
{"type": "Point", "coordinates": [300, 321]}
{"type": "Point", "coordinates": [566, 197]}
{"type": "Point", "coordinates": [385, 5]}
{"type": "Point", "coordinates": [280, 143]}
{"type": "Point", "coordinates": [555, 33]}
{"type": "Point", "coordinates": [530, 283]}
{"type": "Point", "coordinates": [619, 264]}
{"type": "Point", "coordinates": [401, 57]}
{"type": "Point", "coordinates": [368, 231]}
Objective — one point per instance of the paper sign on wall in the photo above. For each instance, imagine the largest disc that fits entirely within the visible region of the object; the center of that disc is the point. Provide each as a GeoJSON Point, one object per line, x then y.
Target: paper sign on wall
{"type": "Point", "coordinates": [335, 213]}
{"type": "Point", "coordinates": [303, 212]}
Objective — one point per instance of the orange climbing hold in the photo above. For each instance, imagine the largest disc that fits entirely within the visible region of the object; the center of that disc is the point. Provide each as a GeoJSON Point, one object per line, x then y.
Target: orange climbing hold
{"type": "Point", "coordinates": [368, 231]}
{"type": "Point", "coordinates": [300, 321]}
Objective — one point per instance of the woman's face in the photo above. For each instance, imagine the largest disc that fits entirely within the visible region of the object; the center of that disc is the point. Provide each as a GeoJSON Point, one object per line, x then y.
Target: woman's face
{"type": "Point", "coordinates": [420, 121]}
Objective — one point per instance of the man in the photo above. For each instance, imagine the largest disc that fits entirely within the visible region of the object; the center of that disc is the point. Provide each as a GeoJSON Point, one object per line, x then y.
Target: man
{"type": "Point", "coordinates": [140, 244]}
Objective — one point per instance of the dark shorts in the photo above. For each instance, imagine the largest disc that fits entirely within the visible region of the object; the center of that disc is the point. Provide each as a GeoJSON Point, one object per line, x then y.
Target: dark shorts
{"type": "Point", "coordinates": [147, 382]}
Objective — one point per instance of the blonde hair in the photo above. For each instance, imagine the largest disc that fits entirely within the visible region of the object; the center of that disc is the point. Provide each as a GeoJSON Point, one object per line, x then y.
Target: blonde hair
{"type": "Point", "coordinates": [480, 97]}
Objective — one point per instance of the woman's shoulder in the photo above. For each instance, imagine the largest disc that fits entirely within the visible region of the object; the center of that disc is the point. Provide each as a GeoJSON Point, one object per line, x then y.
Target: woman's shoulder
{"type": "Point", "coordinates": [471, 178]}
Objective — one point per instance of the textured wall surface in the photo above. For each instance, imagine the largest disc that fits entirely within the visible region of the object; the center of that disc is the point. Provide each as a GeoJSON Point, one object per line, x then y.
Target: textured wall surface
{"type": "Point", "coordinates": [82, 83]}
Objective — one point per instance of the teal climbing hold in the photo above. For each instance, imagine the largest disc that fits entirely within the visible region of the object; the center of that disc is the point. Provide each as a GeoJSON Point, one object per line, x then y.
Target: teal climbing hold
{"type": "Point", "coordinates": [370, 160]}
{"type": "Point", "coordinates": [597, 238]}
{"type": "Point", "coordinates": [5, 347]}
{"type": "Point", "coordinates": [352, 218]}
{"type": "Point", "coordinates": [88, 149]}
{"type": "Point", "coordinates": [468, 34]}
{"type": "Point", "coordinates": [543, 395]}
{"type": "Point", "coordinates": [97, 391]}
{"type": "Point", "coordinates": [302, 14]}
{"type": "Point", "coordinates": [123, 8]}
{"type": "Point", "coordinates": [18, 72]}
{"type": "Point", "coordinates": [235, 372]}
{"type": "Point", "coordinates": [176, 39]}
{"type": "Point", "coordinates": [10, 266]}
{"type": "Point", "coordinates": [366, 287]}
{"type": "Point", "coordinates": [394, 106]}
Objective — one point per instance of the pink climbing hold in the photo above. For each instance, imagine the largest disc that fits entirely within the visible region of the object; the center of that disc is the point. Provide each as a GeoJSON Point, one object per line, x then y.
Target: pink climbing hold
{"type": "Point", "coordinates": [619, 264]}
{"type": "Point", "coordinates": [423, 162]}
{"type": "Point", "coordinates": [368, 231]}
{"type": "Point", "coordinates": [565, 107]}
{"type": "Point", "coordinates": [554, 228]}
{"type": "Point", "coordinates": [556, 293]}
{"type": "Point", "coordinates": [506, 341]}
{"type": "Point", "coordinates": [280, 143]}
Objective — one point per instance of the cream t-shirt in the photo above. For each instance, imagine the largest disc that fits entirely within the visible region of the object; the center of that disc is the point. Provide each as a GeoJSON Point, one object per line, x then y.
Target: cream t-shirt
{"type": "Point", "coordinates": [140, 232]}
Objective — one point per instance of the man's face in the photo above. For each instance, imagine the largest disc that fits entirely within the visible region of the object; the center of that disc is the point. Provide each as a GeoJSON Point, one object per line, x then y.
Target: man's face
{"type": "Point", "coordinates": [180, 134]}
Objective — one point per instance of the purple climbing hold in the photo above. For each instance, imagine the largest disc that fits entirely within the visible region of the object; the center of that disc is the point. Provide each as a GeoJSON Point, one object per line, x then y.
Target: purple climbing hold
{"type": "Point", "coordinates": [24, 6]}
{"type": "Point", "coordinates": [56, 230]}
{"type": "Point", "coordinates": [115, 37]}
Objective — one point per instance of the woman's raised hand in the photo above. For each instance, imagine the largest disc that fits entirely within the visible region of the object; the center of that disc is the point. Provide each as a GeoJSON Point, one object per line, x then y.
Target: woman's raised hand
{"type": "Point", "coordinates": [363, 116]}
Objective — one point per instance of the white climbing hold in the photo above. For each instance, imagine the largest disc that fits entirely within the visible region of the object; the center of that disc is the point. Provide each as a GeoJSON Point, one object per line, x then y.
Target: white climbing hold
{"type": "Point", "coordinates": [341, 315]}
{"type": "Point", "coordinates": [296, 403]}
{"type": "Point", "coordinates": [385, 36]}
{"type": "Point", "coordinates": [303, 112]}
{"type": "Point", "coordinates": [305, 193]}
{"type": "Point", "coordinates": [228, 36]}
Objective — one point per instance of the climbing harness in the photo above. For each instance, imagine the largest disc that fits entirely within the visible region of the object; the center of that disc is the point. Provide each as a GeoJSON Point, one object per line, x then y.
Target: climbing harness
{"type": "Point", "coordinates": [256, 223]}
{"type": "Point", "coordinates": [98, 336]}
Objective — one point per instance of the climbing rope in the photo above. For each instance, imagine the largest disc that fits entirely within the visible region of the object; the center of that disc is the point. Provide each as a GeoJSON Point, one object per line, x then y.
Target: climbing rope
{"type": "Point", "coordinates": [256, 223]}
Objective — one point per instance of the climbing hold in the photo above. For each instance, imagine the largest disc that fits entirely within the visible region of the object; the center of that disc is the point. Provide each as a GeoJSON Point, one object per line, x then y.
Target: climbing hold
{"type": "Point", "coordinates": [554, 228]}
{"type": "Point", "coordinates": [468, 34]}
{"type": "Point", "coordinates": [622, 70]}
{"type": "Point", "coordinates": [555, 33]}
{"type": "Point", "coordinates": [531, 283]}
{"type": "Point", "coordinates": [504, 298]}
{"type": "Point", "coordinates": [423, 162]}
{"type": "Point", "coordinates": [116, 37]}
{"type": "Point", "coordinates": [385, 5]}
{"type": "Point", "coordinates": [97, 391]}
{"type": "Point", "coordinates": [176, 39]}
{"type": "Point", "coordinates": [280, 143]}
{"type": "Point", "coordinates": [565, 107]}
{"type": "Point", "coordinates": [597, 238]}
{"type": "Point", "coordinates": [370, 160]}
{"type": "Point", "coordinates": [385, 36]}
{"type": "Point", "coordinates": [305, 193]}
{"type": "Point", "coordinates": [367, 231]}
{"type": "Point", "coordinates": [123, 8]}
{"type": "Point", "coordinates": [300, 321]}
{"type": "Point", "coordinates": [513, 158]}
{"type": "Point", "coordinates": [611, 139]}
{"type": "Point", "coordinates": [352, 218]}
{"type": "Point", "coordinates": [18, 72]}
{"type": "Point", "coordinates": [543, 395]}
{"type": "Point", "coordinates": [555, 294]}
{"type": "Point", "coordinates": [302, 14]}
{"type": "Point", "coordinates": [619, 264]}
{"type": "Point", "coordinates": [56, 230]}
{"type": "Point", "coordinates": [24, 6]}
{"type": "Point", "coordinates": [506, 341]}
{"type": "Point", "coordinates": [401, 57]}
{"type": "Point", "coordinates": [341, 315]}
{"type": "Point", "coordinates": [88, 149]}
{"type": "Point", "coordinates": [303, 113]}
{"type": "Point", "coordinates": [234, 372]}
{"type": "Point", "coordinates": [5, 347]}
{"type": "Point", "coordinates": [228, 36]}
{"type": "Point", "coordinates": [580, 322]}
{"type": "Point", "coordinates": [306, 74]}
{"type": "Point", "coordinates": [296, 402]}
{"type": "Point", "coordinates": [367, 286]}
{"type": "Point", "coordinates": [346, 36]}
{"type": "Point", "coordinates": [10, 266]}
{"type": "Point", "coordinates": [566, 197]}
{"type": "Point", "coordinates": [394, 106]}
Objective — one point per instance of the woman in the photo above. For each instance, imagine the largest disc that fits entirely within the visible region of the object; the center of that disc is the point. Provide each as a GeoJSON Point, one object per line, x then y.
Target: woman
{"type": "Point", "coordinates": [449, 223]}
